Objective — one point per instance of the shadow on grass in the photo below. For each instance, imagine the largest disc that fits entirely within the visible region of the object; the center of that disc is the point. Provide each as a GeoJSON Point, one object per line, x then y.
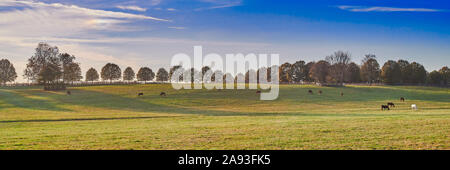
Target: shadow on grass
{"type": "Point", "coordinates": [16, 99]}
{"type": "Point", "coordinates": [89, 98]}
{"type": "Point", "coordinates": [85, 119]}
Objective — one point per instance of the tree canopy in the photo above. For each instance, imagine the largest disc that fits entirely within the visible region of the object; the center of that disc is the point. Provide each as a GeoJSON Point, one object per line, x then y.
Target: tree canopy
{"type": "Point", "coordinates": [7, 72]}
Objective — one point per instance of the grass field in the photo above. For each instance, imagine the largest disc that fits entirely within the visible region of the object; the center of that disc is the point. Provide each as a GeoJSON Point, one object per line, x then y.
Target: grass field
{"type": "Point", "coordinates": [113, 117]}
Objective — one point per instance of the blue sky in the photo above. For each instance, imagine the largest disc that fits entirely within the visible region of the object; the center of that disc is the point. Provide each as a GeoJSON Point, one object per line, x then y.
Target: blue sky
{"type": "Point", "coordinates": [140, 33]}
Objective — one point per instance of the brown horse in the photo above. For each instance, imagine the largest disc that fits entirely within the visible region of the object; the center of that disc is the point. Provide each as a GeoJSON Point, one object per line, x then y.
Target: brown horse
{"type": "Point", "coordinates": [402, 99]}
{"type": "Point", "coordinates": [163, 94]}
{"type": "Point", "coordinates": [69, 93]}
{"type": "Point", "coordinates": [140, 94]}
{"type": "Point", "coordinates": [384, 107]}
{"type": "Point", "coordinates": [320, 92]}
{"type": "Point", "coordinates": [310, 91]}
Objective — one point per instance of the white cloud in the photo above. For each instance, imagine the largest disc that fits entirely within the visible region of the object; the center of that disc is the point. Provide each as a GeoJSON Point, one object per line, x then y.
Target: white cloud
{"type": "Point", "coordinates": [171, 9]}
{"type": "Point", "coordinates": [134, 8]}
{"type": "Point", "coordinates": [220, 4]}
{"type": "Point", "coordinates": [177, 28]}
{"type": "Point", "coordinates": [385, 9]}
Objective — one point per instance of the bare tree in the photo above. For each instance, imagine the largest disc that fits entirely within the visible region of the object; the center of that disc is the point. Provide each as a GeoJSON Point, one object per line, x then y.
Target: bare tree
{"type": "Point", "coordinates": [339, 61]}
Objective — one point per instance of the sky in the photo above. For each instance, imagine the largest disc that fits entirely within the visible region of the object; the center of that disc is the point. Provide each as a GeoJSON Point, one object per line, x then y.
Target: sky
{"type": "Point", "coordinates": [140, 33]}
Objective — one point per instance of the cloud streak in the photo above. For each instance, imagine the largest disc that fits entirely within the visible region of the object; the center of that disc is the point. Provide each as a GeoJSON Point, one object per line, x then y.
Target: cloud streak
{"type": "Point", "coordinates": [385, 9]}
{"type": "Point", "coordinates": [133, 8]}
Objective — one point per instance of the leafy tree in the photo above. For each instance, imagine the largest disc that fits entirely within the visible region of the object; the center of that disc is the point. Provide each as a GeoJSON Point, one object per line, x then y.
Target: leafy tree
{"type": "Point", "coordinates": [162, 75]}
{"type": "Point", "coordinates": [353, 73]}
{"type": "Point", "coordinates": [390, 73]}
{"type": "Point", "coordinates": [285, 73]}
{"type": "Point", "coordinates": [145, 74]}
{"type": "Point", "coordinates": [50, 73]}
{"type": "Point", "coordinates": [435, 78]}
{"type": "Point", "coordinates": [128, 74]}
{"type": "Point", "coordinates": [370, 70]}
{"type": "Point", "coordinates": [172, 70]}
{"type": "Point", "coordinates": [308, 67]}
{"type": "Point", "coordinates": [72, 72]}
{"type": "Point", "coordinates": [44, 56]}
{"type": "Point", "coordinates": [7, 72]}
{"type": "Point", "coordinates": [445, 73]}
{"type": "Point", "coordinates": [404, 71]}
{"type": "Point", "coordinates": [418, 73]}
{"type": "Point", "coordinates": [339, 61]}
{"type": "Point", "coordinates": [111, 72]}
{"type": "Point", "coordinates": [319, 71]}
{"type": "Point", "coordinates": [299, 72]}
{"type": "Point", "coordinates": [92, 75]}
{"type": "Point", "coordinates": [67, 61]}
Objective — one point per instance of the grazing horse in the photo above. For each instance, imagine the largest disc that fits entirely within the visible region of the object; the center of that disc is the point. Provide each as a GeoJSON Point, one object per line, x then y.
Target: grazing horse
{"type": "Point", "coordinates": [320, 92]}
{"type": "Point", "coordinates": [384, 107]}
{"type": "Point", "coordinates": [310, 91]}
{"type": "Point", "coordinates": [342, 93]}
{"type": "Point", "coordinates": [69, 93]}
{"type": "Point", "coordinates": [140, 94]}
{"type": "Point", "coordinates": [258, 92]}
{"type": "Point", "coordinates": [391, 104]}
{"type": "Point", "coordinates": [402, 99]}
{"type": "Point", "coordinates": [163, 94]}
{"type": "Point", "coordinates": [414, 107]}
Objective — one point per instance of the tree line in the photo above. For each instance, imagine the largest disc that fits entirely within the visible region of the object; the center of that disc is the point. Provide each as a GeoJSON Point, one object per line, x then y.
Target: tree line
{"type": "Point", "coordinates": [48, 66]}
{"type": "Point", "coordinates": [338, 69]}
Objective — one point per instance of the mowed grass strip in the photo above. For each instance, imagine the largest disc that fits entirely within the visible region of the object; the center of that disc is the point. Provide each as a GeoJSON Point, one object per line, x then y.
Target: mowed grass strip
{"type": "Point", "coordinates": [114, 117]}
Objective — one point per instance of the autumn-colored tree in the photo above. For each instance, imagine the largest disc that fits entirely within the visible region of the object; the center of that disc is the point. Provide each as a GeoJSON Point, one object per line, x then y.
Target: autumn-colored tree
{"type": "Point", "coordinates": [353, 73]}
{"type": "Point", "coordinates": [390, 73]}
{"type": "Point", "coordinates": [370, 70]}
{"type": "Point", "coordinates": [339, 61]}
{"type": "Point", "coordinates": [285, 72]}
{"type": "Point", "coordinates": [319, 71]}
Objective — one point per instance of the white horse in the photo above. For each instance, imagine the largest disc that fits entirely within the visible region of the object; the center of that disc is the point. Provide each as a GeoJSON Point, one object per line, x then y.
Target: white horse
{"type": "Point", "coordinates": [414, 106]}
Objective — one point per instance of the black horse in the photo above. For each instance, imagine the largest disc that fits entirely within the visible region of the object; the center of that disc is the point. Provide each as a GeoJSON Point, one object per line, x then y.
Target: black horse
{"type": "Point", "coordinates": [163, 94]}
{"type": "Point", "coordinates": [384, 107]}
{"type": "Point", "coordinates": [402, 99]}
{"type": "Point", "coordinates": [310, 91]}
{"type": "Point", "coordinates": [140, 94]}
{"type": "Point", "coordinates": [391, 104]}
